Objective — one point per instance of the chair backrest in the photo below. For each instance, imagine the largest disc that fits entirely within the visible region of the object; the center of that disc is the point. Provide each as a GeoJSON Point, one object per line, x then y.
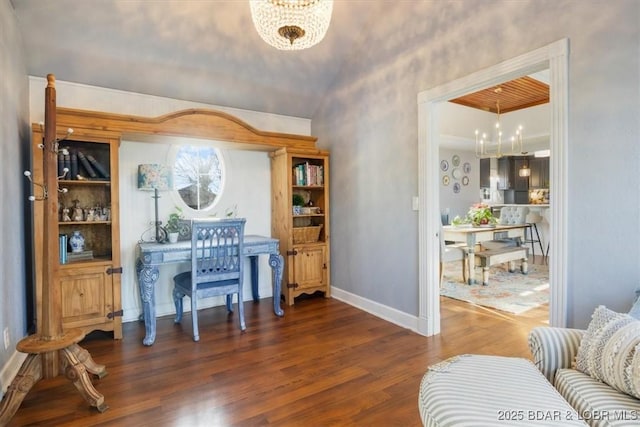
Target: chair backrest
{"type": "Point", "coordinates": [216, 250]}
{"type": "Point", "coordinates": [512, 215]}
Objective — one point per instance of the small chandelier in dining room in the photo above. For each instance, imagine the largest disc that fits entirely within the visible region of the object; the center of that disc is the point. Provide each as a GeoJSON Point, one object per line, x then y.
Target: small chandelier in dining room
{"type": "Point", "coordinates": [291, 24]}
{"type": "Point", "coordinates": [486, 148]}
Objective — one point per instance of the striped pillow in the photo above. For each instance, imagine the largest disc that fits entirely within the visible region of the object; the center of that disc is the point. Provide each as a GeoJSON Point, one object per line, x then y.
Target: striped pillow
{"type": "Point", "coordinates": [609, 350]}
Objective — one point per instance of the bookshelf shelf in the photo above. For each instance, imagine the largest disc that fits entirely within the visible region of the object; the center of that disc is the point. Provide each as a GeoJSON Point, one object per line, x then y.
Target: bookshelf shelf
{"type": "Point", "coordinates": [66, 182]}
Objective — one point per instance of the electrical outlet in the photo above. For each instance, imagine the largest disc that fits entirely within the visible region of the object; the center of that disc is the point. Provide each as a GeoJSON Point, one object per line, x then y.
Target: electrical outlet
{"type": "Point", "coordinates": [7, 340]}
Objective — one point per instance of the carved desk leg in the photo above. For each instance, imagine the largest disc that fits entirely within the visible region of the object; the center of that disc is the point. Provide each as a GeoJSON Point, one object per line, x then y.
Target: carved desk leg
{"type": "Point", "coordinates": [28, 375]}
{"type": "Point", "coordinates": [254, 278]}
{"type": "Point", "coordinates": [147, 278]}
{"type": "Point", "coordinates": [276, 262]}
{"type": "Point", "coordinates": [76, 372]}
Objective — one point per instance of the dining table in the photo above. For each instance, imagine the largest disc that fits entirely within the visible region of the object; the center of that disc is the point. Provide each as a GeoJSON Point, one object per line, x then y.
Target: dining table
{"type": "Point", "coordinates": [474, 235]}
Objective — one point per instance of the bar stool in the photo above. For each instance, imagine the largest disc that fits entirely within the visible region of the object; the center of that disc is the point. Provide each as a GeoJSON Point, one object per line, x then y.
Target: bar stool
{"type": "Point", "coordinates": [546, 215]}
{"type": "Point", "coordinates": [532, 219]}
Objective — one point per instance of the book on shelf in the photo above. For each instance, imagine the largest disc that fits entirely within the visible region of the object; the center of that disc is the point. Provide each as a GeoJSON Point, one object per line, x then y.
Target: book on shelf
{"type": "Point", "coordinates": [86, 165]}
{"type": "Point", "coordinates": [60, 164]}
{"type": "Point", "coordinates": [67, 164]}
{"type": "Point", "coordinates": [98, 166]}
{"type": "Point", "coordinates": [306, 174]}
{"type": "Point", "coordinates": [74, 165]}
{"type": "Point", "coordinates": [79, 256]}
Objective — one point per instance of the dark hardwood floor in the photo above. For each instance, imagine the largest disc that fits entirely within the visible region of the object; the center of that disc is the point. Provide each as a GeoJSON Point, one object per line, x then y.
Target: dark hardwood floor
{"type": "Point", "coordinates": [324, 364]}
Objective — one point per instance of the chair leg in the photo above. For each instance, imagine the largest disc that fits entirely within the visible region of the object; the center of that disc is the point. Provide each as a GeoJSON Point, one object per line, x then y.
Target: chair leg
{"type": "Point", "coordinates": [241, 310]}
{"type": "Point", "coordinates": [194, 317]}
{"type": "Point", "coordinates": [177, 301]}
{"type": "Point", "coordinates": [230, 303]}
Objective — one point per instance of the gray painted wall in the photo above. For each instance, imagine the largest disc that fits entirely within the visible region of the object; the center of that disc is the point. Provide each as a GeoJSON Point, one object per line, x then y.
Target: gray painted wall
{"type": "Point", "coordinates": [369, 122]}
{"type": "Point", "coordinates": [14, 146]}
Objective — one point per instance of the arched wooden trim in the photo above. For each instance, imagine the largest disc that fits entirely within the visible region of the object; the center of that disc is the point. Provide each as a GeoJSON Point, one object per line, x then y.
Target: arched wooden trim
{"type": "Point", "coordinates": [194, 122]}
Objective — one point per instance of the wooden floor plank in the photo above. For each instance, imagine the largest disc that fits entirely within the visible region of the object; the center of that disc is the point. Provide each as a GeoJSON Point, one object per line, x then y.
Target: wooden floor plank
{"type": "Point", "coordinates": [325, 363]}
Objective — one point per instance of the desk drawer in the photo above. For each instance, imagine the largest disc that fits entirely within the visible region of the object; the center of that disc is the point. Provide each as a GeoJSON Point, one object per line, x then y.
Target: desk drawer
{"type": "Point", "coordinates": [258, 249]}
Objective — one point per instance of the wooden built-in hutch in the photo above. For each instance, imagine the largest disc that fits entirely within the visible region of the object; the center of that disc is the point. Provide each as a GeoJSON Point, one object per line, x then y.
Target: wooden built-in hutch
{"type": "Point", "coordinates": [90, 289]}
{"type": "Point", "coordinates": [82, 295]}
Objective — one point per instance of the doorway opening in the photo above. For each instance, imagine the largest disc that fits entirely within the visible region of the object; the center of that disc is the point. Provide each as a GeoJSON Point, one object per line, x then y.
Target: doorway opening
{"type": "Point", "coordinates": [494, 157]}
{"type": "Point", "coordinates": [553, 57]}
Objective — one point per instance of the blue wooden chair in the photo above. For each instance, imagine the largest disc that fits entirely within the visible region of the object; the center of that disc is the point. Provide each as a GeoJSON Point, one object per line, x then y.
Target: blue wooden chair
{"type": "Point", "coordinates": [217, 267]}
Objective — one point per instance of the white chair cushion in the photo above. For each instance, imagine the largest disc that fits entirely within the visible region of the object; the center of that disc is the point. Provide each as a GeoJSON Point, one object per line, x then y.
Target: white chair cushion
{"type": "Point", "coordinates": [511, 215]}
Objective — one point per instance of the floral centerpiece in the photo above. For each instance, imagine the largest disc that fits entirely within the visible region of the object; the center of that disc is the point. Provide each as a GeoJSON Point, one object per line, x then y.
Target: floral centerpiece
{"type": "Point", "coordinates": [479, 214]}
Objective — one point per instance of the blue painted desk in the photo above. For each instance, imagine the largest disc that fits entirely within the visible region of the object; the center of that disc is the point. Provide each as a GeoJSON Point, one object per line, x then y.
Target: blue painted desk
{"type": "Point", "coordinates": [152, 255]}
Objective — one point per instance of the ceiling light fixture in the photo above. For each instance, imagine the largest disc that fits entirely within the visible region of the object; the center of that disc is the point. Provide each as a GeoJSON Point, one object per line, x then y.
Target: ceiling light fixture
{"type": "Point", "coordinates": [291, 24]}
{"type": "Point", "coordinates": [485, 148]}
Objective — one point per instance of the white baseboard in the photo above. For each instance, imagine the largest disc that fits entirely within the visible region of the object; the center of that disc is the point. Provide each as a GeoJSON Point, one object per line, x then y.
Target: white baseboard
{"type": "Point", "coordinates": [387, 313]}
{"type": "Point", "coordinates": [10, 370]}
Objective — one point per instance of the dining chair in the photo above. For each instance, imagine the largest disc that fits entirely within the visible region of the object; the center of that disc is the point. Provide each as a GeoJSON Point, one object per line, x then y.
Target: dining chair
{"type": "Point", "coordinates": [453, 252]}
{"type": "Point", "coordinates": [509, 215]}
{"type": "Point", "coordinates": [217, 267]}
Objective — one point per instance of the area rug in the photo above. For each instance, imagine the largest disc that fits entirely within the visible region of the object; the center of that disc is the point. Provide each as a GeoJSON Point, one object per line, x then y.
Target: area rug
{"type": "Point", "coordinates": [511, 292]}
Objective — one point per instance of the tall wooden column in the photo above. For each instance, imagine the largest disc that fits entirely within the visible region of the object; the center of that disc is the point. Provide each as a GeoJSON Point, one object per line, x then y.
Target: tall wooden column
{"type": "Point", "coordinates": [51, 348]}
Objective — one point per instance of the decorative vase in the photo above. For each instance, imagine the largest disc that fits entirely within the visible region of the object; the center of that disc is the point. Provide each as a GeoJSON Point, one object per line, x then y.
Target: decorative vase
{"type": "Point", "coordinates": [77, 242]}
{"type": "Point", "coordinates": [173, 237]}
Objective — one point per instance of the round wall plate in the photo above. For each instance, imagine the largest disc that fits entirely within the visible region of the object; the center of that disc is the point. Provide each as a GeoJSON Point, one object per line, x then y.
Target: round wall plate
{"type": "Point", "coordinates": [444, 165]}
{"type": "Point", "coordinates": [445, 180]}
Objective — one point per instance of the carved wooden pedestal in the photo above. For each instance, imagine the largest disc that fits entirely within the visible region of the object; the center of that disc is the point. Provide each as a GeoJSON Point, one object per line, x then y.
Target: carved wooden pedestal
{"type": "Point", "coordinates": [43, 359]}
{"type": "Point", "coordinates": [51, 349]}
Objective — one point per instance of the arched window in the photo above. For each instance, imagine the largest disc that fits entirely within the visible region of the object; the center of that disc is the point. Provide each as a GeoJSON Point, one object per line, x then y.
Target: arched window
{"type": "Point", "coordinates": [199, 174]}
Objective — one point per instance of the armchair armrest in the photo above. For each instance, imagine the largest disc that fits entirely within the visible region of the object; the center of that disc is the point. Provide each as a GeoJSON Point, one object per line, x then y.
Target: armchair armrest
{"type": "Point", "coordinates": [554, 348]}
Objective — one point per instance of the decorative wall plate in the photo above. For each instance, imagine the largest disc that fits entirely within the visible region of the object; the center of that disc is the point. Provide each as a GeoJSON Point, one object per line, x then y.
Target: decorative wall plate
{"type": "Point", "coordinates": [466, 168]}
{"type": "Point", "coordinates": [465, 180]}
{"type": "Point", "coordinates": [445, 180]}
{"type": "Point", "coordinates": [456, 174]}
{"type": "Point", "coordinates": [456, 187]}
{"type": "Point", "coordinates": [455, 160]}
{"type": "Point", "coordinates": [444, 165]}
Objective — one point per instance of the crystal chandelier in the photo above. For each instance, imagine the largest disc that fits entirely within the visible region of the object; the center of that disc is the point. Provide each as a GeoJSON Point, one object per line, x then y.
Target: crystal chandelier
{"type": "Point", "coordinates": [291, 24]}
{"type": "Point", "coordinates": [486, 148]}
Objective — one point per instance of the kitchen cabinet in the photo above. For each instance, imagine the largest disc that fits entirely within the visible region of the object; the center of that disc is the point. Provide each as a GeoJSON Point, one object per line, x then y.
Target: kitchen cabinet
{"type": "Point", "coordinates": [504, 171]}
{"type": "Point", "coordinates": [519, 183]}
{"type": "Point", "coordinates": [539, 172]}
{"type": "Point", "coordinates": [485, 173]}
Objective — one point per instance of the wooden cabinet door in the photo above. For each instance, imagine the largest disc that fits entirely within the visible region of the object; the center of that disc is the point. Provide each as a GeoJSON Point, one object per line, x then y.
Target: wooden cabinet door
{"type": "Point", "coordinates": [87, 296]}
{"type": "Point", "coordinates": [309, 267]}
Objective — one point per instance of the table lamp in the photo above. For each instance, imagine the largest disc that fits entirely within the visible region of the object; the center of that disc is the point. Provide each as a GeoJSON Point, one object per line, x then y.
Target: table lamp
{"type": "Point", "coordinates": [155, 177]}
